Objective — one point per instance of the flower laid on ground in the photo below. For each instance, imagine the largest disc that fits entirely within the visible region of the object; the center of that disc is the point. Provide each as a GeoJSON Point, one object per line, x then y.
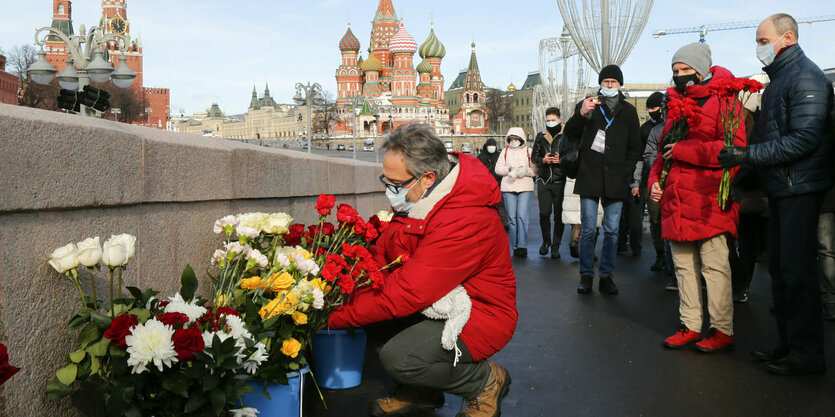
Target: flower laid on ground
{"type": "Point", "coordinates": [89, 251]}
{"type": "Point", "coordinates": [6, 371]}
{"type": "Point", "coordinates": [244, 412]}
{"type": "Point", "coordinates": [150, 342]}
{"type": "Point", "coordinates": [118, 250]}
{"type": "Point", "coordinates": [64, 258]}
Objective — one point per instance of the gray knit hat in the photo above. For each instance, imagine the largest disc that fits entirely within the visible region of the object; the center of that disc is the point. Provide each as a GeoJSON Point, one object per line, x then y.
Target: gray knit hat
{"type": "Point", "coordinates": [696, 55]}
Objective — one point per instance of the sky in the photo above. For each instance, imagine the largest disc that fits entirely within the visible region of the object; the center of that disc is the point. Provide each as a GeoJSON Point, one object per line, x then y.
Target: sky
{"type": "Point", "coordinates": [215, 51]}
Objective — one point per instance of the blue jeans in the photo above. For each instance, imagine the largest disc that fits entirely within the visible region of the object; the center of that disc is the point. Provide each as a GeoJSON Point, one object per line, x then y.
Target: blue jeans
{"type": "Point", "coordinates": [611, 220]}
{"type": "Point", "coordinates": [518, 216]}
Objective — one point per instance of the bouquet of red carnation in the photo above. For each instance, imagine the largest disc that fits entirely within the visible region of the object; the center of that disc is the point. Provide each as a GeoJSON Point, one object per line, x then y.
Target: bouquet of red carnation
{"type": "Point", "coordinates": [732, 93]}
{"type": "Point", "coordinates": [683, 112]}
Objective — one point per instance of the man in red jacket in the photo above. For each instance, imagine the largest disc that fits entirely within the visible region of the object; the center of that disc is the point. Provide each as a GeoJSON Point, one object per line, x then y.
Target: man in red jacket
{"type": "Point", "coordinates": [691, 218]}
{"type": "Point", "coordinates": [447, 224]}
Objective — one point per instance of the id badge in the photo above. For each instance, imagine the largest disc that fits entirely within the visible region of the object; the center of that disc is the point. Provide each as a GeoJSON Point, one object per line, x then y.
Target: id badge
{"type": "Point", "coordinates": [599, 144]}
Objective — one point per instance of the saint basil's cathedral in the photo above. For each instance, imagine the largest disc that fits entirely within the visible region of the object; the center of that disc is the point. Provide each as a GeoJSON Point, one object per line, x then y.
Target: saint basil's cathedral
{"type": "Point", "coordinates": [385, 89]}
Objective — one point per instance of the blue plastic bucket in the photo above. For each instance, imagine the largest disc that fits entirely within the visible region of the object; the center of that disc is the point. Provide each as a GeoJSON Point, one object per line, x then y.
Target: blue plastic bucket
{"type": "Point", "coordinates": [285, 400]}
{"type": "Point", "coordinates": [338, 358]}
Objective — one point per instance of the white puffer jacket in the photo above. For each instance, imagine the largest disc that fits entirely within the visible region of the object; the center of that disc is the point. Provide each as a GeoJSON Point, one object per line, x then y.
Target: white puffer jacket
{"type": "Point", "coordinates": [571, 206]}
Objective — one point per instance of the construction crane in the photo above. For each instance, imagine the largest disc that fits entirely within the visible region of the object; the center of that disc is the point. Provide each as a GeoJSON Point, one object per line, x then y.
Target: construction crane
{"type": "Point", "coordinates": [704, 29]}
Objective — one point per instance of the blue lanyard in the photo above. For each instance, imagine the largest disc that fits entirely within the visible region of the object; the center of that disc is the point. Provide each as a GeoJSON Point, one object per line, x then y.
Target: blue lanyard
{"type": "Point", "coordinates": [608, 120]}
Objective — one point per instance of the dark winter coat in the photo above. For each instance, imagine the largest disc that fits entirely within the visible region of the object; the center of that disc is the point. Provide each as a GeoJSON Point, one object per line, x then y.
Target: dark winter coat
{"type": "Point", "coordinates": [690, 205]}
{"type": "Point", "coordinates": [454, 237]}
{"type": "Point", "coordinates": [549, 173]}
{"type": "Point", "coordinates": [794, 130]}
{"type": "Point", "coordinates": [606, 175]}
{"type": "Point", "coordinates": [489, 159]}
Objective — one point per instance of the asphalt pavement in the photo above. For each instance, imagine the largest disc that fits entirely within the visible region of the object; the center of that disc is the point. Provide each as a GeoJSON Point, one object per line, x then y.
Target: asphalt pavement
{"type": "Point", "coordinates": [601, 355]}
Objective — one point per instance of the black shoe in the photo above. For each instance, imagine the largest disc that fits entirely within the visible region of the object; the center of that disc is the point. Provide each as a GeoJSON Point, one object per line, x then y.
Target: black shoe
{"type": "Point", "coordinates": [740, 296]}
{"type": "Point", "coordinates": [555, 252]}
{"type": "Point", "coordinates": [829, 311]}
{"type": "Point", "coordinates": [607, 286]}
{"type": "Point", "coordinates": [770, 355]}
{"type": "Point", "coordinates": [520, 252]}
{"type": "Point", "coordinates": [586, 284]}
{"type": "Point", "coordinates": [795, 364]}
{"type": "Point", "coordinates": [574, 250]}
{"type": "Point", "coordinates": [672, 285]}
{"type": "Point", "coordinates": [543, 250]}
{"type": "Point", "coordinates": [659, 264]}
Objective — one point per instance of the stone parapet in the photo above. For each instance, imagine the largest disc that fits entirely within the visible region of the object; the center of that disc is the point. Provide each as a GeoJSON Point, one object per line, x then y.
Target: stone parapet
{"type": "Point", "coordinates": [67, 177]}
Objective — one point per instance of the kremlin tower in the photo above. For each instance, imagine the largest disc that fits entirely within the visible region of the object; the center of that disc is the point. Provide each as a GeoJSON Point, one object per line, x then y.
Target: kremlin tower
{"type": "Point", "coordinates": [472, 119]}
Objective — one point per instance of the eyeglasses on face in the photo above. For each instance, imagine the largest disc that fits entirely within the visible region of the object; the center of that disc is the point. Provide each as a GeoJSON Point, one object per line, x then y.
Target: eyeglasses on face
{"type": "Point", "coordinates": [395, 188]}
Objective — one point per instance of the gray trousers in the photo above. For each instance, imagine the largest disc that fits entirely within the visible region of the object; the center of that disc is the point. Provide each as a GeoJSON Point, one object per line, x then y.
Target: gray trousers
{"type": "Point", "coordinates": [415, 357]}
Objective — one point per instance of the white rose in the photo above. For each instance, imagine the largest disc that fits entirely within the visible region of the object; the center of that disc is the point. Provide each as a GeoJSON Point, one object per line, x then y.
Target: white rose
{"type": "Point", "coordinates": [64, 258]}
{"type": "Point", "coordinates": [276, 223]}
{"type": "Point", "coordinates": [252, 220]}
{"type": "Point", "coordinates": [89, 251]}
{"type": "Point", "coordinates": [385, 216]}
{"type": "Point", "coordinates": [118, 250]}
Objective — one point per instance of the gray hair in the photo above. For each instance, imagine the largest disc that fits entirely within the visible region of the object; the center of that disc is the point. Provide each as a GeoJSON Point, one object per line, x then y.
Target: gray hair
{"type": "Point", "coordinates": [784, 23]}
{"type": "Point", "coordinates": [422, 150]}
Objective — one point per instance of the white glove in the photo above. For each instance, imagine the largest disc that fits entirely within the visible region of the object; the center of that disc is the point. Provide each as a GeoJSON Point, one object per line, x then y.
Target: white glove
{"type": "Point", "coordinates": [520, 172]}
{"type": "Point", "coordinates": [512, 173]}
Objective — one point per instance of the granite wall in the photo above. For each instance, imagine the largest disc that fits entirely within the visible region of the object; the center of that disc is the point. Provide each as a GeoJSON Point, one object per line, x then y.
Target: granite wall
{"type": "Point", "coordinates": [66, 177]}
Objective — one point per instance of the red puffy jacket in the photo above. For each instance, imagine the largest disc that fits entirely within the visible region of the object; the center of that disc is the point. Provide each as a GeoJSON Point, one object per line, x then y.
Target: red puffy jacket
{"type": "Point", "coordinates": [689, 206]}
{"type": "Point", "coordinates": [454, 237]}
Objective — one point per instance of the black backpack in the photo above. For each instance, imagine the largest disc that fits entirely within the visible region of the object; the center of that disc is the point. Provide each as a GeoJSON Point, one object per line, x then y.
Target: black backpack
{"type": "Point", "coordinates": [569, 155]}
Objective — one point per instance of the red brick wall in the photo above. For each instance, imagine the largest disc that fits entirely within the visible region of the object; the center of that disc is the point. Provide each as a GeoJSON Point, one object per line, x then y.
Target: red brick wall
{"type": "Point", "coordinates": [8, 84]}
{"type": "Point", "coordinates": [157, 100]}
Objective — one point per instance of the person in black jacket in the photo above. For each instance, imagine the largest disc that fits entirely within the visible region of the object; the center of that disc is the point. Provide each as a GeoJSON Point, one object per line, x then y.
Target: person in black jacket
{"type": "Point", "coordinates": [550, 181]}
{"type": "Point", "coordinates": [794, 164]}
{"type": "Point", "coordinates": [488, 156]}
{"type": "Point", "coordinates": [610, 144]}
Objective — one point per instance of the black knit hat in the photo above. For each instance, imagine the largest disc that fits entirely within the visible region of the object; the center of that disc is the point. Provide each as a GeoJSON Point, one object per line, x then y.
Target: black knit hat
{"type": "Point", "coordinates": [654, 100]}
{"type": "Point", "coordinates": [610, 71]}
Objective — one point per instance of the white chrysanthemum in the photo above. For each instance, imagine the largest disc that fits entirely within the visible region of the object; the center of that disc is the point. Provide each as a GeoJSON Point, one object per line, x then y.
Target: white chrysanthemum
{"type": "Point", "coordinates": [218, 255]}
{"type": "Point", "coordinates": [229, 220]}
{"type": "Point", "coordinates": [258, 257]}
{"type": "Point", "coordinates": [307, 267]}
{"type": "Point", "coordinates": [150, 342]}
{"type": "Point", "coordinates": [318, 299]}
{"type": "Point", "coordinates": [234, 247]}
{"type": "Point", "coordinates": [237, 329]}
{"type": "Point", "coordinates": [247, 231]}
{"type": "Point", "coordinates": [244, 412]}
{"type": "Point", "coordinates": [256, 358]}
{"type": "Point", "coordinates": [178, 305]}
{"type": "Point", "coordinates": [282, 260]}
{"type": "Point", "coordinates": [286, 251]}
{"type": "Point", "coordinates": [301, 291]}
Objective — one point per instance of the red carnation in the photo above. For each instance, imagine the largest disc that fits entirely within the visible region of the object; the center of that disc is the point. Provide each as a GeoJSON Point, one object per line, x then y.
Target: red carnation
{"type": "Point", "coordinates": [334, 258]}
{"type": "Point", "coordinates": [377, 280]}
{"type": "Point", "coordinates": [325, 203]}
{"type": "Point", "coordinates": [374, 221]}
{"type": "Point", "coordinates": [327, 229]}
{"type": "Point", "coordinates": [330, 271]}
{"type": "Point", "coordinates": [371, 234]}
{"type": "Point", "coordinates": [346, 214]}
{"type": "Point", "coordinates": [294, 236]}
{"type": "Point", "coordinates": [404, 257]}
{"type": "Point", "coordinates": [229, 311]}
{"type": "Point", "coordinates": [321, 251]}
{"type": "Point", "coordinates": [186, 342]}
{"type": "Point", "coordinates": [175, 320]}
{"type": "Point", "coordinates": [6, 370]}
{"type": "Point", "coordinates": [346, 283]}
{"type": "Point", "coordinates": [120, 327]}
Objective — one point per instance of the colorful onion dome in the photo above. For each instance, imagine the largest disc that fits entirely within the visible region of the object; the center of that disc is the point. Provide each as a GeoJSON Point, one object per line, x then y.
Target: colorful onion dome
{"type": "Point", "coordinates": [371, 64]}
{"type": "Point", "coordinates": [424, 67]}
{"type": "Point", "coordinates": [402, 42]}
{"type": "Point", "coordinates": [432, 47]}
{"type": "Point", "coordinates": [349, 42]}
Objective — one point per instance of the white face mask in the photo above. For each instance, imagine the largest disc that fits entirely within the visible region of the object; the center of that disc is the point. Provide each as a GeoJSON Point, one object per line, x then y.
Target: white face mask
{"type": "Point", "coordinates": [552, 124]}
{"type": "Point", "coordinates": [608, 92]}
{"type": "Point", "coordinates": [491, 149]}
{"type": "Point", "coordinates": [515, 144]}
{"type": "Point", "coordinates": [766, 53]}
{"type": "Point", "coordinates": [398, 199]}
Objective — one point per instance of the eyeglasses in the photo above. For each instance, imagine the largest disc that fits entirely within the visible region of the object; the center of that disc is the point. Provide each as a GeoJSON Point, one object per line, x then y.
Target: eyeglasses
{"type": "Point", "coordinates": [395, 188]}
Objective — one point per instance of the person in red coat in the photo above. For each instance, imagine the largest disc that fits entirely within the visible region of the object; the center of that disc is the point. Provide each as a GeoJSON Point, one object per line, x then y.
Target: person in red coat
{"type": "Point", "coordinates": [447, 223]}
{"type": "Point", "coordinates": [690, 215]}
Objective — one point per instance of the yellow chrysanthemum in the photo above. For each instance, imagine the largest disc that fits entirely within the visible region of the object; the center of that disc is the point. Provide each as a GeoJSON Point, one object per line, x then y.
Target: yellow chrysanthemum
{"type": "Point", "coordinates": [280, 282]}
{"type": "Point", "coordinates": [299, 318]}
{"type": "Point", "coordinates": [291, 347]}
{"type": "Point", "coordinates": [321, 285]}
{"type": "Point", "coordinates": [283, 303]}
{"type": "Point", "coordinates": [221, 300]}
{"type": "Point", "coordinates": [251, 283]}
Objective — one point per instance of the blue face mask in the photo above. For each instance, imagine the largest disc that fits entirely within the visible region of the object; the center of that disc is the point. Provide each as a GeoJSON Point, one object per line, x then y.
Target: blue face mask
{"type": "Point", "coordinates": [398, 199]}
{"type": "Point", "coordinates": [766, 54]}
{"type": "Point", "coordinates": [608, 92]}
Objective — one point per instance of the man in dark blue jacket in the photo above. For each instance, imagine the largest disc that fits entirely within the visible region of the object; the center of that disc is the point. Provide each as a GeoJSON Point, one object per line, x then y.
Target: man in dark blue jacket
{"type": "Point", "coordinates": [794, 162]}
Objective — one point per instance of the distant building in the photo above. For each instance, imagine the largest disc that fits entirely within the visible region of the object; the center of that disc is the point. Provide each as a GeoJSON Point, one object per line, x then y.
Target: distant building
{"type": "Point", "coordinates": [9, 84]}
{"type": "Point", "coordinates": [114, 19]}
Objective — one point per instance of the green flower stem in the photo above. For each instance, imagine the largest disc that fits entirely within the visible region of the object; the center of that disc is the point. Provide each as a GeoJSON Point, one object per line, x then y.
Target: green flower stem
{"type": "Point", "coordinates": [93, 285]}
{"type": "Point", "coordinates": [120, 281]}
{"type": "Point", "coordinates": [72, 274]}
{"type": "Point", "coordinates": [112, 310]}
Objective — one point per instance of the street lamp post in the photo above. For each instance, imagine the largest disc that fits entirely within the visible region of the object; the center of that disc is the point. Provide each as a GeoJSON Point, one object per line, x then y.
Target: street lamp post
{"type": "Point", "coordinates": [312, 95]}
{"type": "Point", "coordinates": [501, 124]}
{"type": "Point", "coordinates": [85, 63]}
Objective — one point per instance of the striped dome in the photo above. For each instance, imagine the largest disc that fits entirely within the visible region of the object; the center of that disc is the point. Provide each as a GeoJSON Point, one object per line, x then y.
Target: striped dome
{"type": "Point", "coordinates": [371, 64]}
{"type": "Point", "coordinates": [432, 47]}
{"type": "Point", "coordinates": [349, 42]}
{"type": "Point", "coordinates": [424, 67]}
{"type": "Point", "coordinates": [402, 42]}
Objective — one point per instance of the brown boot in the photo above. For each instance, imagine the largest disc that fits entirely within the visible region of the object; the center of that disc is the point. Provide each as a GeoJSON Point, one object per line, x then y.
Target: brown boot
{"type": "Point", "coordinates": [489, 402]}
{"type": "Point", "coordinates": [407, 400]}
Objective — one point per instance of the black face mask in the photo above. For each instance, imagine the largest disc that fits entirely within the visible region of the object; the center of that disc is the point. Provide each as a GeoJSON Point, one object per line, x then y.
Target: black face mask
{"type": "Point", "coordinates": [684, 80]}
{"type": "Point", "coordinates": [656, 115]}
{"type": "Point", "coordinates": [555, 129]}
